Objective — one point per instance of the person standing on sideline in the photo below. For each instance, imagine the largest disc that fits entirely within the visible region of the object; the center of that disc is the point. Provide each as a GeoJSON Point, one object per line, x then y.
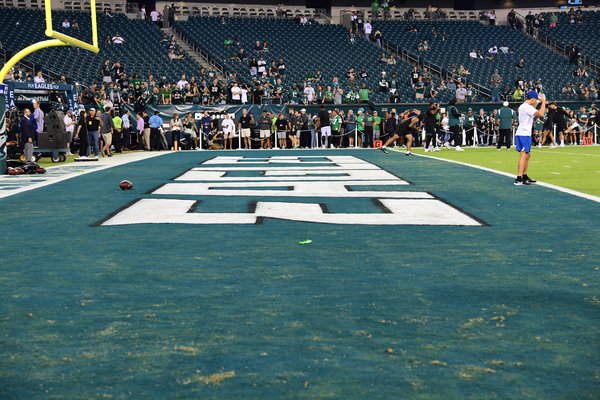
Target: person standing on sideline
{"type": "Point", "coordinates": [228, 128]}
{"type": "Point", "coordinates": [506, 116]}
{"type": "Point", "coordinates": [82, 134]}
{"type": "Point", "coordinates": [126, 130]}
{"type": "Point", "coordinates": [454, 123]}
{"type": "Point", "coordinates": [527, 113]}
{"type": "Point", "coordinates": [264, 129]}
{"type": "Point", "coordinates": [27, 135]}
{"type": "Point", "coordinates": [147, 130]}
{"type": "Point", "coordinates": [282, 126]}
{"type": "Point", "coordinates": [245, 125]}
{"type": "Point", "coordinates": [106, 128]}
{"type": "Point", "coordinates": [38, 117]}
{"type": "Point", "coordinates": [176, 128]}
{"type": "Point", "coordinates": [117, 132]}
{"type": "Point", "coordinates": [69, 128]}
{"type": "Point", "coordinates": [325, 124]}
{"type": "Point", "coordinates": [431, 127]}
{"type": "Point", "coordinates": [140, 123]}
{"type": "Point", "coordinates": [155, 122]}
{"type": "Point", "coordinates": [93, 124]}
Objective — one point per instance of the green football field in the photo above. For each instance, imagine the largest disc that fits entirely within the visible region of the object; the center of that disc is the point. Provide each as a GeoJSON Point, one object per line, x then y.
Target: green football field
{"type": "Point", "coordinates": [424, 280]}
{"type": "Point", "coordinates": [573, 167]}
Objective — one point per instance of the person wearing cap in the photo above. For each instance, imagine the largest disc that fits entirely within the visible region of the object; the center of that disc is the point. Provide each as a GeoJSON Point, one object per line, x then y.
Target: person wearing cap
{"type": "Point", "coordinates": [506, 119]}
{"type": "Point", "coordinates": [117, 131]}
{"type": "Point", "coordinates": [527, 113]}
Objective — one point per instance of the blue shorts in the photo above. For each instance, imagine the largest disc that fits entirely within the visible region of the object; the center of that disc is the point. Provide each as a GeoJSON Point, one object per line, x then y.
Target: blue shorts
{"type": "Point", "coordinates": [523, 143]}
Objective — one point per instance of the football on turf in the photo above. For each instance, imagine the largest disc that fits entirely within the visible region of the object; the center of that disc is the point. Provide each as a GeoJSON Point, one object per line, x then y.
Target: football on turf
{"type": "Point", "coordinates": [126, 185]}
{"type": "Point", "coordinates": [12, 171]}
{"type": "Point", "coordinates": [40, 170]}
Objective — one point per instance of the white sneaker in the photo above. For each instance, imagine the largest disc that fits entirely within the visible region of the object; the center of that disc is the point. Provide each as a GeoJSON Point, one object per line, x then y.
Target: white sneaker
{"type": "Point", "coordinates": [427, 150]}
{"type": "Point", "coordinates": [83, 158]}
{"type": "Point", "coordinates": [562, 145]}
{"type": "Point", "coordinates": [447, 145]}
{"type": "Point", "coordinates": [436, 149]}
{"type": "Point", "coordinates": [458, 148]}
{"type": "Point", "coordinates": [539, 146]}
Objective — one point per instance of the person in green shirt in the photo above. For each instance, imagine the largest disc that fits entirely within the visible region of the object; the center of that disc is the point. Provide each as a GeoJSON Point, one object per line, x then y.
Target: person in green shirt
{"type": "Point", "coordinates": [328, 96]}
{"type": "Point", "coordinates": [117, 132]}
{"type": "Point", "coordinates": [335, 122]}
{"type": "Point", "coordinates": [360, 126]}
{"type": "Point", "coordinates": [376, 126]}
{"type": "Point", "coordinates": [363, 93]}
{"type": "Point", "coordinates": [375, 9]}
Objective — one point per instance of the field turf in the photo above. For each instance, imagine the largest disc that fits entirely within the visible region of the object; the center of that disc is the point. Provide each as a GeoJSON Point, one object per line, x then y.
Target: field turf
{"type": "Point", "coordinates": [573, 167]}
{"type": "Point", "coordinates": [509, 309]}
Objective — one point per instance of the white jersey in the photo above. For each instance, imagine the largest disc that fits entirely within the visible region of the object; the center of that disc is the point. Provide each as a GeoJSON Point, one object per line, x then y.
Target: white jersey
{"type": "Point", "coordinates": [526, 117]}
{"type": "Point", "coordinates": [227, 126]}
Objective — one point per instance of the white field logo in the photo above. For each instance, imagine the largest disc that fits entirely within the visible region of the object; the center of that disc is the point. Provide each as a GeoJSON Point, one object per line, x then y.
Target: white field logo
{"type": "Point", "coordinates": [331, 177]}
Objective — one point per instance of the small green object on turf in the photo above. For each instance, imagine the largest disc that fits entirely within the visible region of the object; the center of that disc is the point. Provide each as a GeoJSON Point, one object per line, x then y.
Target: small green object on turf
{"type": "Point", "coordinates": [307, 241]}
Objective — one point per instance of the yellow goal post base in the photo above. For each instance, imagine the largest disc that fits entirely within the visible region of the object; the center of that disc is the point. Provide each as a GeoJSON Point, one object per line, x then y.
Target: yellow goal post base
{"type": "Point", "coordinates": [58, 39]}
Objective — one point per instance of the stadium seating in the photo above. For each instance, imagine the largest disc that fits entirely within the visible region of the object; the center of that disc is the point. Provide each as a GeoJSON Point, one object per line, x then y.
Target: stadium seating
{"type": "Point", "coordinates": [463, 36]}
{"type": "Point", "coordinates": [142, 52]}
{"type": "Point", "coordinates": [305, 49]}
{"type": "Point", "coordinates": [585, 35]}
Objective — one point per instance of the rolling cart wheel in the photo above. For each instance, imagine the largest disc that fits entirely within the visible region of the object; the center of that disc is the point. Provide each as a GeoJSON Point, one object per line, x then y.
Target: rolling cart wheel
{"type": "Point", "coordinates": [55, 158]}
{"type": "Point", "coordinates": [62, 157]}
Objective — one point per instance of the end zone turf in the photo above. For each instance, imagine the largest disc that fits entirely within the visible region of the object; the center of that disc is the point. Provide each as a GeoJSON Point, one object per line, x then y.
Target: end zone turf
{"type": "Point", "coordinates": [508, 310]}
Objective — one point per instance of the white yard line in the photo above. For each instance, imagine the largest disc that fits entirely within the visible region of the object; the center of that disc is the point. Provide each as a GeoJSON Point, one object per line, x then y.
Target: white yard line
{"type": "Point", "coordinates": [544, 184]}
{"type": "Point", "coordinates": [78, 168]}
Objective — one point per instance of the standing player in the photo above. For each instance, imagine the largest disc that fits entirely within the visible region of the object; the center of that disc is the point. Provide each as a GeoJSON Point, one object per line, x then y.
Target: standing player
{"type": "Point", "coordinates": [527, 113]}
{"type": "Point", "coordinates": [430, 126]}
{"type": "Point", "coordinates": [406, 129]}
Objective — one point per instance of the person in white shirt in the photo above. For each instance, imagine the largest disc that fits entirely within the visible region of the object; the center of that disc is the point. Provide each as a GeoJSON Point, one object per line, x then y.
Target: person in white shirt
{"type": "Point", "coordinates": [143, 12]}
{"type": "Point", "coordinates": [309, 92]}
{"type": "Point", "coordinates": [244, 94]}
{"type": "Point", "coordinates": [473, 54]}
{"type": "Point", "coordinates": [367, 28]}
{"type": "Point", "coordinates": [66, 24]}
{"type": "Point", "coordinates": [155, 17]}
{"type": "Point", "coordinates": [182, 82]}
{"type": "Point", "coordinates": [303, 20]}
{"type": "Point", "coordinates": [228, 127]}
{"type": "Point", "coordinates": [70, 129]}
{"type": "Point", "coordinates": [118, 39]}
{"type": "Point", "coordinates": [236, 93]}
{"type": "Point", "coordinates": [493, 50]}
{"type": "Point", "coordinates": [38, 78]}
{"type": "Point", "coordinates": [527, 114]}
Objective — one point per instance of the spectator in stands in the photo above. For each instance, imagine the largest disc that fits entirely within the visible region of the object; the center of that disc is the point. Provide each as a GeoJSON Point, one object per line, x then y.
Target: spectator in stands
{"type": "Point", "coordinates": [118, 39]}
{"type": "Point", "coordinates": [461, 94]}
{"type": "Point", "coordinates": [66, 24]}
{"type": "Point", "coordinates": [375, 9]}
{"type": "Point", "coordinates": [38, 78]}
{"type": "Point", "coordinates": [553, 20]}
{"type": "Point", "coordinates": [423, 46]}
{"type": "Point", "coordinates": [367, 29]}
{"type": "Point", "coordinates": [504, 49]}
{"type": "Point", "coordinates": [573, 53]}
{"type": "Point", "coordinates": [377, 36]}
{"type": "Point", "coordinates": [241, 55]}
{"type": "Point", "coordinates": [520, 64]}
{"type": "Point", "coordinates": [155, 17]}
{"type": "Point", "coordinates": [462, 71]}
{"type": "Point", "coordinates": [592, 90]}
{"type": "Point", "coordinates": [419, 89]}
{"type": "Point", "coordinates": [363, 93]}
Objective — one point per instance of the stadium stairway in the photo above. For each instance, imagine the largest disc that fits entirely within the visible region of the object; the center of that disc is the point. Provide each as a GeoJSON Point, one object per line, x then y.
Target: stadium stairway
{"type": "Point", "coordinates": [195, 55]}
